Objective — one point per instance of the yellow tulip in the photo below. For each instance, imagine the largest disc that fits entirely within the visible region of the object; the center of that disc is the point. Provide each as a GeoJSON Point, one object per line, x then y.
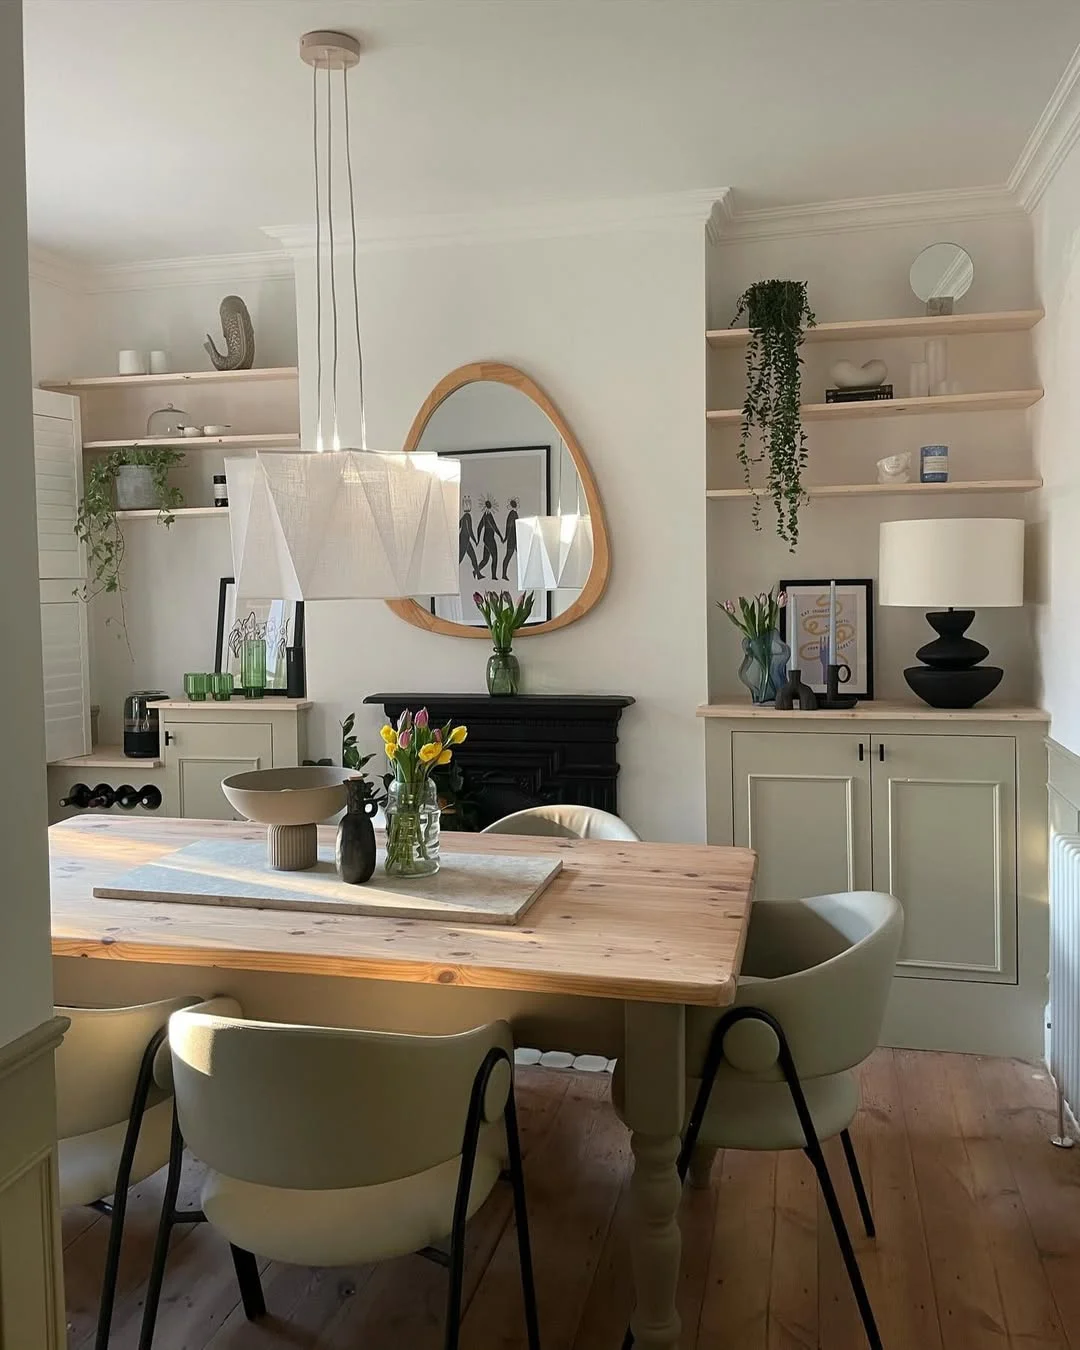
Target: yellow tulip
{"type": "Point", "coordinates": [388, 734]}
{"type": "Point", "coordinates": [457, 736]}
{"type": "Point", "coordinates": [391, 750]}
{"type": "Point", "coordinates": [429, 752]}
{"type": "Point", "coordinates": [445, 757]}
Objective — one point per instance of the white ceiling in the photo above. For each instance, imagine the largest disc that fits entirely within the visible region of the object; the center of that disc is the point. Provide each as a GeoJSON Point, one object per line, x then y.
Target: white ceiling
{"type": "Point", "coordinates": [166, 128]}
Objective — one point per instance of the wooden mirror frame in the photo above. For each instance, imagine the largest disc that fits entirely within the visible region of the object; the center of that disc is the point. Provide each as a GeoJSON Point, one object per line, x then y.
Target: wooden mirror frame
{"type": "Point", "coordinates": [596, 582]}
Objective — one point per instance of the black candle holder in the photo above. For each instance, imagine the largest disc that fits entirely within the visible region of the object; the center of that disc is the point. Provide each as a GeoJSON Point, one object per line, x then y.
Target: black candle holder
{"type": "Point", "coordinates": [794, 692]}
{"type": "Point", "coordinates": [833, 698]}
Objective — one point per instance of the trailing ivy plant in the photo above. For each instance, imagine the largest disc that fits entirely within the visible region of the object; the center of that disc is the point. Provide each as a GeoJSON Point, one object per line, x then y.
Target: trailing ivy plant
{"type": "Point", "coordinates": [96, 524]}
{"type": "Point", "coordinates": [778, 315]}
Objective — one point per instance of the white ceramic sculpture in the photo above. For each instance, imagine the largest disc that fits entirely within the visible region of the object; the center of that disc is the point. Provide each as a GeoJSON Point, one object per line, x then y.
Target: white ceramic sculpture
{"type": "Point", "coordinates": [894, 468]}
{"type": "Point", "coordinates": [847, 375]}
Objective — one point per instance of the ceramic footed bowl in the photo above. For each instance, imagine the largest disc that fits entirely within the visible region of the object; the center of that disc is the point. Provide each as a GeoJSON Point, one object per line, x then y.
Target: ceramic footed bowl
{"type": "Point", "coordinates": [301, 796]}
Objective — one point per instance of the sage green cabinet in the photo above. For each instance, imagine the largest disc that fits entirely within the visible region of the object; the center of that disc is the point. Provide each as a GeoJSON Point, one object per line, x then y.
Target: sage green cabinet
{"type": "Point", "coordinates": [929, 818]}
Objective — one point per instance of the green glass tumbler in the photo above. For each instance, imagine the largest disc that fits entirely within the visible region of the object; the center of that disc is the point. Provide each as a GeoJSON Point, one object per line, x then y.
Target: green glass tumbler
{"type": "Point", "coordinates": [197, 687]}
{"type": "Point", "coordinates": [253, 667]}
{"type": "Point", "coordinates": [221, 686]}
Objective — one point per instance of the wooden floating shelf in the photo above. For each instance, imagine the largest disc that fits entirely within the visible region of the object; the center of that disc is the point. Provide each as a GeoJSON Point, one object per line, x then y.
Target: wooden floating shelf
{"type": "Point", "coordinates": [924, 325]}
{"type": "Point", "coordinates": [179, 511]}
{"type": "Point", "coordinates": [198, 442]}
{"type": "Point", "coordinates": [994, 400]}
{"type": "Point", "coordinates": [176, 378]}
{"type": "Point", "coordinates": [890, 489]}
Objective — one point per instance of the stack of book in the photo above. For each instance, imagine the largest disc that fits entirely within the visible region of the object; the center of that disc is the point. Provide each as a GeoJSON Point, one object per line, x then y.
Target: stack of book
{"type": "Point", "coordinates": [875, 395]}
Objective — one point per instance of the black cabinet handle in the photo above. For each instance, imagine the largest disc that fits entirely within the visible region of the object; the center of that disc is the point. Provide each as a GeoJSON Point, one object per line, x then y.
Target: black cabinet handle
{"type": "Point", "coordinates": [862, 752]}
{"type": "Point", "coordinates": [881, 751]}
{"type": "Point", "coordinates": [169, 738]}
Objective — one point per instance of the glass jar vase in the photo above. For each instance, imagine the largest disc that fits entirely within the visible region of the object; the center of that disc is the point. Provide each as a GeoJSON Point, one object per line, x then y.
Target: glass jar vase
{"type": "Point", "coordinates": [412, 830]}
{"type": "Point", "coordinates": [503, 672]}
{"type": "Point", "coordinates": [764, 665]}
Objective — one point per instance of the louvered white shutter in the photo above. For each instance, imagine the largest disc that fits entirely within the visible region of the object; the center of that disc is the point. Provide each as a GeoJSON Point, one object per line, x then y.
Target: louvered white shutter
{"type": "Point", "coordinates": [62, 570]}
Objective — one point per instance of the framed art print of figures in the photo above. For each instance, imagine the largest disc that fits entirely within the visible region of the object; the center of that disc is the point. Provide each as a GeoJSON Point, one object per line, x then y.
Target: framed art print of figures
{"type": "Point", "coordinates": [804, 626]}
{"type": "Point", "coordinates": [279, 622]}
{"type": "Point", "coordinates": [497, 486]}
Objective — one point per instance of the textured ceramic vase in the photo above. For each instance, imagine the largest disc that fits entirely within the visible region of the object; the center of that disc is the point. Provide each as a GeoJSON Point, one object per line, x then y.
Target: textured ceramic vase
{"type": "Point", "coordinates": [356, 835]}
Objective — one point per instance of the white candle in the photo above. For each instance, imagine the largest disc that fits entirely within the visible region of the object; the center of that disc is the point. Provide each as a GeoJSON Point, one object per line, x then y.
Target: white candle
{"type": "Point", "coordinates": [832, 623]}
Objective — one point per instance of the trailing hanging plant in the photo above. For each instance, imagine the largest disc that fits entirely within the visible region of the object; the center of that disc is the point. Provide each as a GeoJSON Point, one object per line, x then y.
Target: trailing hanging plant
{"type": "Point", "coordinates": [778, 315]}
{"type": "Point", "coordinates": [96, 524]}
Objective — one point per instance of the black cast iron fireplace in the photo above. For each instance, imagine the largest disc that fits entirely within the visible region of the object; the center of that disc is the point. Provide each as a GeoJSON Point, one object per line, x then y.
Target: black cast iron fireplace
{"type": "Point", "coordinates": [527, 750]}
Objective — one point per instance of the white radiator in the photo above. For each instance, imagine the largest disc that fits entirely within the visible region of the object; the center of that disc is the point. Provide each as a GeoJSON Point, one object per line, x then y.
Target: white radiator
{"type": "Point", "coordinates": [1065, 972]}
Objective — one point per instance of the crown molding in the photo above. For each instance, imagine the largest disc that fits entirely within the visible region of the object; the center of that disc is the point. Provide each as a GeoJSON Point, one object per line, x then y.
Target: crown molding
{"type": "Point", "coordinates": [543, 220]}
{"type": "Point", "coordinates": [731, 226]}
{"type": "Point", "coordinates": [222, 269]}
{"type": "Point", "coordinates": [1054, 135]}
{"type": "Point", "coordinates": [56, 270]}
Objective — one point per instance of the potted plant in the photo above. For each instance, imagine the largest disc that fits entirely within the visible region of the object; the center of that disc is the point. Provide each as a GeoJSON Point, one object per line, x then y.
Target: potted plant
{"type": "Point", "coordinates": [117, 481]}
{"type": "Point", "coordinates": [778, 315]}
{"type": "Point", "coordinates": [415, 749]}
{"type": "Point", "coordinates": [765, 653]}
{"type": "Point", "coordinates": [503, 616]}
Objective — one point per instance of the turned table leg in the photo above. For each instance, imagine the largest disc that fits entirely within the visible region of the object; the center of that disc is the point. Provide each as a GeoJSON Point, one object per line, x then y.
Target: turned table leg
{"type": "Point", "coordinates": [654, 1100]}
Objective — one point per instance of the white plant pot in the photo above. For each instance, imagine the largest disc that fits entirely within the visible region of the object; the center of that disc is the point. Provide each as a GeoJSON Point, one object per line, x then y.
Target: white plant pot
{"type": "Point", "coordinates": [135, 488]}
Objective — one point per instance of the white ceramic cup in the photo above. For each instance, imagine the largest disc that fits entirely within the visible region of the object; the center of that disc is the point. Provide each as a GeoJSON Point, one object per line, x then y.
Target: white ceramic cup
{"type": "Point", "coordinates": [159, 362]}
{"type": "Point", "coordinates": [130, 362]}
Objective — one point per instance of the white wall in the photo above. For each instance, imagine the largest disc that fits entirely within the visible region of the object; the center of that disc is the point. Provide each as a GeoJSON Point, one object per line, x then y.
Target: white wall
{"type": "Point", "coordinates": [1057, 436]}
{"type": "Point", "coordinates": [854, 274]}
{"type": "Point", "coordinates": [59, 330]}
{"type": "Point", "coordinates": [25, 974]}
{"type": "Point", "coordinates": [610, 326]}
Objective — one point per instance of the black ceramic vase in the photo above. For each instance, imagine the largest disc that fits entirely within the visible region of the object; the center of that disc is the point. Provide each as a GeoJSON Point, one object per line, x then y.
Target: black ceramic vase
{"type": "Point", "coordinates": [355, 834]}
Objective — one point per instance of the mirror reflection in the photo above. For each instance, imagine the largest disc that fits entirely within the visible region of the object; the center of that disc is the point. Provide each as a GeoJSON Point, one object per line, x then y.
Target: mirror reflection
{"type": "Point", "coordinates": [515, 467]}
{"type": "Point", "coordinates": [940, 275]}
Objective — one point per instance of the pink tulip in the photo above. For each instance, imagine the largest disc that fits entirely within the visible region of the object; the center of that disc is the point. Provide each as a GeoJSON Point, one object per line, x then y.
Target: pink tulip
{"type": "Point", "coordinates": [421, 718]}
{"type": "Point", "coordinates": [436, 735]}
{"type": "Point", "coordinates": [781, 600]}
{"type": "Point", "coordinates": [404, 739]}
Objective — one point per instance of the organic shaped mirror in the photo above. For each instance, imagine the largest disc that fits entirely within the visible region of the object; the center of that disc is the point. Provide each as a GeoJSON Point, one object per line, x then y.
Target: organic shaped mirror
{"type": "Point", "coordinates": [940, 275]}
{"type": "Point", "coordinates": [519, 459]}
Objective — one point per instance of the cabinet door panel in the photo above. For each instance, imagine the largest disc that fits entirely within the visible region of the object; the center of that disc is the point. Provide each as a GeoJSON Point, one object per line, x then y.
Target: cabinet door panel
{"type": "Point", "coordinates": [945, 846]}
{"type": "Point", "coordinates": [200, 754]}
{"type": "Point", "coordinates": [803, 803]}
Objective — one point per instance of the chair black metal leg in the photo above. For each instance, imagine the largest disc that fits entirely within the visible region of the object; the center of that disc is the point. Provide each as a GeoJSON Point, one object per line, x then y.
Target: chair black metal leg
{"type": "Point", "coordinates": [165, 1227]}
{"type": "Point", "coordinates": [118, 1209]}
{"type": "Point", "coordinates": [857, 1183]}
{"type": "Point", "coordinates": [521, 1218]}
{"type": "Point", "coordinates": [247, 1277]}
{"type": "Point", "coordinates": [832, 1204]}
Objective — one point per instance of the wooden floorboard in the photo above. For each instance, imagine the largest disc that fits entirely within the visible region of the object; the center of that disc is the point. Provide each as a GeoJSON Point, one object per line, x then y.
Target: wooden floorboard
{"type": "Point", "coordinates": [978, 1244]}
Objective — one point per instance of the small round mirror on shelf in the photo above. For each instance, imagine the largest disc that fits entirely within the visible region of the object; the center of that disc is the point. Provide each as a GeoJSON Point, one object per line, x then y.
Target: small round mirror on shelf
{"type": "Point", "coordinates": [940, 275]}
{"type": "Point", "coordinates": [530, 515]}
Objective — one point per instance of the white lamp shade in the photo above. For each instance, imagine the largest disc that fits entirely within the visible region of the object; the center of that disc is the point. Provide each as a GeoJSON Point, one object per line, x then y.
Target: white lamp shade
{"type": "Point", "coordinates": [347, 524]}
{"type": "Point", "coordinates": [959, 564]}
{"type": "Point", "coordinates": [554, 552]}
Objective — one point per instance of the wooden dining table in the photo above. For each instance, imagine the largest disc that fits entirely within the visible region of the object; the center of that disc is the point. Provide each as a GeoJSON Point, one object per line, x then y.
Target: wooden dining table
{"type": "Point", "coordinates": [655, 928]}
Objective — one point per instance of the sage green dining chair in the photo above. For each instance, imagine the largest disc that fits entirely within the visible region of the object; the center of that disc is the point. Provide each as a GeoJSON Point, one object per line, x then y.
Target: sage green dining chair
{"type": "Point", "coordinates": [331, 1147]}
{"type": "Point", "coordinates": [774, 1070]}
{"type": "Point", "coordinates": [113, 1120]}
{"type": "Point", "coordinates": [565, 822]}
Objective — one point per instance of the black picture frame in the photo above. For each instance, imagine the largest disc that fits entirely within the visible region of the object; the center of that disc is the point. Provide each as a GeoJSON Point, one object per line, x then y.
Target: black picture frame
{"type": "Point", "coordinates": [276, 676]}
{"type": "Point", "coordinates": [861, 683]}
{"type": "Point", "coordinates": [542, 609]}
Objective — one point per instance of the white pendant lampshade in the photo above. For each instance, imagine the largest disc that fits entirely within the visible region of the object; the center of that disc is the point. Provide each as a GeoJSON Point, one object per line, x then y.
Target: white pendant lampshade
{"type": "Point", "coordinates": [554, 552]}
{"type": "Point", "coordinates": [952, 564]}
{"type": "Point", "coordinates": [346, 524]}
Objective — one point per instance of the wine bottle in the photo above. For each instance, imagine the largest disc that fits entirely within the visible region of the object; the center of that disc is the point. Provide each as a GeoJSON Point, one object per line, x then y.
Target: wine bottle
{"type": "Point", "coordinates": [78, 796]}
{"type": "Point", "coordinates": [150, 797]}
{"type": "Point", "coordinates": [127, 797]}
{"type": "Point", "coordinates": [102, 796]}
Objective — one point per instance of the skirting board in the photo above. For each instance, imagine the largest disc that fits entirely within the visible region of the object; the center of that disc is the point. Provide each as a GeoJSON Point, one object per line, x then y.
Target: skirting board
{"type": "Point", "coordinates": [468, 888]}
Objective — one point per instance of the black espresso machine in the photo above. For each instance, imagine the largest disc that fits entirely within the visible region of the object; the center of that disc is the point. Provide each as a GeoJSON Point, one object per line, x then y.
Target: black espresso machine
{"type": "Point", "coordinates": [142, 734]}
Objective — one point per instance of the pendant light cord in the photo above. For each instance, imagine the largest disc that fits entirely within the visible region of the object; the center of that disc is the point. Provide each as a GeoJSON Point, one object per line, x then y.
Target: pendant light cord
{"type": "Point", "coordinates": [352, 237]}
{"type": "Point", "coordinates": [318, 258]}
{"type": "Point", "coordinates": [335, 442]}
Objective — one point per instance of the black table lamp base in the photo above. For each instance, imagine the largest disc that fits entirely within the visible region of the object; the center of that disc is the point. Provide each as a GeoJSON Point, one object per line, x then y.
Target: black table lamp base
{"type": "Point", "coordinates": [950, 676]}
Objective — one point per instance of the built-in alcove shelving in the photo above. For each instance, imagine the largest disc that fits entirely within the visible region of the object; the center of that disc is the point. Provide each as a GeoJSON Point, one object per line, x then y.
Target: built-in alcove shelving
{"type": "Point", "coordinates": [921, 326]}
